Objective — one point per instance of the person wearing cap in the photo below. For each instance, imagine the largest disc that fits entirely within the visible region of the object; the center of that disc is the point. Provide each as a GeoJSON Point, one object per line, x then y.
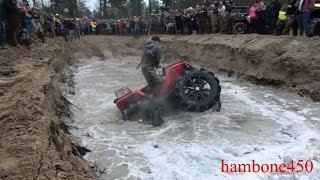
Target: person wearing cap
{"type": "Point", "coordinates": [149, 63]}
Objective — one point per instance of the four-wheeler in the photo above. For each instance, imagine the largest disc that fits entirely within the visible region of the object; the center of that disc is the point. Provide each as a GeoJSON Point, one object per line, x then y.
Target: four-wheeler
{"type": "Point", "coordinates": [183, 87]}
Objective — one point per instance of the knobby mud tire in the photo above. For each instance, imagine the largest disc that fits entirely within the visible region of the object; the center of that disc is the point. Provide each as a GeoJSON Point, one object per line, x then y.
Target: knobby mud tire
{"type": "Point", "coordinates": [239, 28]}
{"type": "Point", "coordinates": [189, 88]}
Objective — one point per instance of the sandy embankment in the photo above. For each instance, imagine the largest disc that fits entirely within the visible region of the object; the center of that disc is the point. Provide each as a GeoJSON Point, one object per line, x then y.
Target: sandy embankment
{"type": "Point", "coordinates": [32, 143]}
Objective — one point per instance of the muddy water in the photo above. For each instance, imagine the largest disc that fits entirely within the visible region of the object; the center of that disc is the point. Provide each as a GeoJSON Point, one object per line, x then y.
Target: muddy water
{"type": "Point", "coordinates": [256, 123]}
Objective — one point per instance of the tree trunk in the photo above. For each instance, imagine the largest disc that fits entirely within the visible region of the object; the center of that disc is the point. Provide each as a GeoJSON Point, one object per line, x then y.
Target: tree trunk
{"type": "Point", "coordinates": [104, 8]}
{"type": "Point", "coordinates": [136, 7]}
{"type": "Point", "coordinates": [101, 8]}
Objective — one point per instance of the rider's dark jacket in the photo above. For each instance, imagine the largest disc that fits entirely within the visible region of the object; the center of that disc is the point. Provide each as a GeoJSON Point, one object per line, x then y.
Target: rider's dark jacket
{"type": "Point", "coordinates": [151, 56]}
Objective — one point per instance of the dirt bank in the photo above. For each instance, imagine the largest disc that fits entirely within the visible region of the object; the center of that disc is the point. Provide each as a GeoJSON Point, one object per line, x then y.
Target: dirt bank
{"type": "Point", "coordinates": [283, 61]}
{"type": "Point", "coordinates": [32, 143]}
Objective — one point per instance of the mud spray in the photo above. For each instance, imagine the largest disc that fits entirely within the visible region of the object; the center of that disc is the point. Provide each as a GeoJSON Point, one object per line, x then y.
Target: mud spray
{"type": "Point", "coordinates": [256, 123]}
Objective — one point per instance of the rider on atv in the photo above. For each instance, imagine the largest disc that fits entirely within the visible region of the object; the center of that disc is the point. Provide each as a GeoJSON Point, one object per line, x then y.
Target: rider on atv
{"type": "Point", "coordinates": [181, 86]}
{"type": "Point", "coordinates": [149, 63]}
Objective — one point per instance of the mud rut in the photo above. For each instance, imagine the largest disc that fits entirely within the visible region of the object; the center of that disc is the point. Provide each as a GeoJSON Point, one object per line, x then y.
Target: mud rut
{"type": "Point", "coordinates": [260, 123]}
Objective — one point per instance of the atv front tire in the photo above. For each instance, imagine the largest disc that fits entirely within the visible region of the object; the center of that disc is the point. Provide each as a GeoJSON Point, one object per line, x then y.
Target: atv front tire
{"type": "Point", "coordinates": [198, 90]}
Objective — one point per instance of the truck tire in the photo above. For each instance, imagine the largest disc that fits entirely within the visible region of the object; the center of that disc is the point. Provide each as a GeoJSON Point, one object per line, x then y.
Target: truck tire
{"type": "Point", "coordinates": [198, 90]}
{"type": "Point", "coordinates": [239, 28]}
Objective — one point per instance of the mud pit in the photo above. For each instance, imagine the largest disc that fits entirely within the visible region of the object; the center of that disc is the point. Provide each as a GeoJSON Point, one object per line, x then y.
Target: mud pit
{"type": "Point", "coordinates": [256, 123]}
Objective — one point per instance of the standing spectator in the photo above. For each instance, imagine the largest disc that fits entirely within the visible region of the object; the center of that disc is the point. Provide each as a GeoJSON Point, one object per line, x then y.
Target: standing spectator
{"type": "Point", "coordinates": [193, 21]}
{"type": "Point", "coordinates": [229, 9]}
{"type": "Point", "coordinates": [36, 13]}
{"type": "Point", "coordinates": [77, 31]}
{"type": "Point", "coordinates": [37, 21]}
{"type": "Point", "coordinates": [38, 30]}
{"type": "Point", "coordinates": [26, 17]}
{"type": "Point", "coordinates": [203, 20]}
{"type": "Point", "coordinates": [109, 27]}
{"type": "Point", "coordinates": [315, 22]}
{"type": "Point", "coordinates": [141, 26]}
{"type": "Point", "coordinates": [291, 20]}
{"type": "Point", "coordinates": [273, 14]}
{"type": "Point", "coordinates": [169, 24]}
{"type": "Point", "coordinates": [12, 18]}
{"type": "Point", "coordinates": [179, 23]}
{"type": "Point", "coordinates": [223, 18]}
{"type": "Point", "coordinates": [186, 22]}
{"type": "Point", "coordinates": [48, 25]}
{"type": "Point", "coordinates": [105, 27]}
{"type": "Point", "coordinates": [253, 15]}
{"type": "Point", "coordinates": [87, 29]}
{"type": "Point", "coordinates": [122, 27]}
{"type": "Point", "coordinates": [214, 17]}
{"type": "Point", "coordinates": [144, 26]}
{"type": "Point", "coordinates": [64, 28]}
{"type": "Point", "coordinates": [93, 25]}
{"type": "Point", "coordinates": [127, 29]}
{"type": "Point", "coordinates": [70, 27]}
{"type": "Point", "coordinates": [3, 6]}
{"type": "Point", "coordinates": [303, 16]}
{"type": "Point", "coordinates": [161, 24]}
{"type": "Point", "coordinates": [152, 24]}
{"type": "Point", "coordinates": [262, 19]}
{"type": "Point", "coordinates": [136, 28]}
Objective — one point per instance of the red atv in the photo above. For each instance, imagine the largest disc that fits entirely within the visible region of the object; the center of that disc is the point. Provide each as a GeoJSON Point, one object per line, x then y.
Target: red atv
{"type": "Point", "coordinates": [183, 86]}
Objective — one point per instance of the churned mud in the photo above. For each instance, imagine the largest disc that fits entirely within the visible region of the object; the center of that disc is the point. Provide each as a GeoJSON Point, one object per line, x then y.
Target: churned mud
{"type": "Point", "coordinates": [262, 123]}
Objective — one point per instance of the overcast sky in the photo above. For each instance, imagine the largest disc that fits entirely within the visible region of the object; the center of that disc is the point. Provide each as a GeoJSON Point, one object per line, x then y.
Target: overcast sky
{"type": "Point", "coordinates": [92, 3]}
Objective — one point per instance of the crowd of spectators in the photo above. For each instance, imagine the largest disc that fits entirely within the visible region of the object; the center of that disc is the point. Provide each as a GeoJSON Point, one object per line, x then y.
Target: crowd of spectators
{"type": "Point", "coordinates": [217, 17]}
{"type": "Point", "coordinates": [208, 18]}
{"type": "Point", "coordinates": [19, 22]}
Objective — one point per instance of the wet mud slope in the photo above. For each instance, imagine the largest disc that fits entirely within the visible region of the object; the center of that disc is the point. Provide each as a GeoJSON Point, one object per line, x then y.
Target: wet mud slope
{"type": "Point", "coordinates": [284, 61]}
{"type": "Point", "coordinates": [32, 143]}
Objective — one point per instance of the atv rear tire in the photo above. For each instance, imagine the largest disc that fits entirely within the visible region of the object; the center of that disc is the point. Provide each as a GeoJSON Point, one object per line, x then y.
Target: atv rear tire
{"type": "Point", "coordinates": [149, 112]}
{"type": "Point", "coordinates": [198, 90]}
{"type": "Point", "coordinates": [125, 115]}
{"type": "Point", "coordinates": [129, 113]}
